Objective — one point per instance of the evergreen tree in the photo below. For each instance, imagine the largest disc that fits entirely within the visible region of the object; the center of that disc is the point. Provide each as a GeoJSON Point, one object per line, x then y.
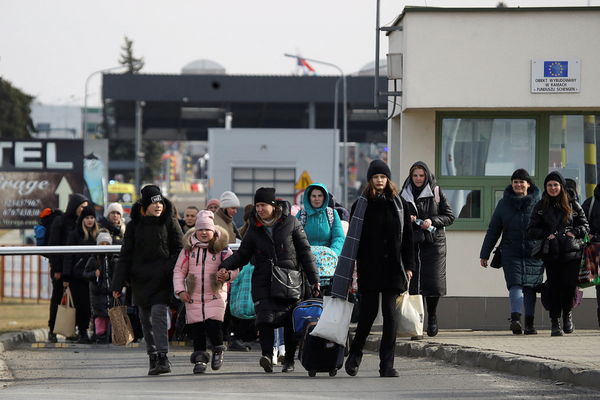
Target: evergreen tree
{"type": "Point", "coordinates": [15, 110]}
{"type": "Point", "coordinates": [133, 64]}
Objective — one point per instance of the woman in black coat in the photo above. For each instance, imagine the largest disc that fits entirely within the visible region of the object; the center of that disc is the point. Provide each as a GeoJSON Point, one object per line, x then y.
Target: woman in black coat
{"type": "Point", "coordinates": [430, 213]}
{"type": "Point", "coordinates": [522, 273]}
{"type": "Point", "coordinates": [591, 208]}
{"type": "Point", "coordinates": [74, 266]}
{"type": "Point", "coordinates": [99, 272]}
{"type": "Point", "coordinates": [384, 264]}
{"type": "Point", "coordinates": [59, 235]}
{"type": "Point", "coordinates": [151, 245]}
{"type": "Point", "coordinates": [274, 237]}
{"type": "Point", "coordinates": [558, 221]}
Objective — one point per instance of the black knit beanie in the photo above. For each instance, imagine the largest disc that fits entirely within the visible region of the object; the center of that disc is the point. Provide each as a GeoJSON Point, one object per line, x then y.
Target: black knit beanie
{"type": "Point", "coordinates": [378, 167]}
{"type": "Point", "coordinates": [265, 195]}
{"type": "Point", "coordinates": [87, 211]}
{"type": "Point", "coordinates": [522, 175]}
{"type": "Point", "coordinates": [150, 194]}
{"type": "Point", "coordinates": [555, 176]}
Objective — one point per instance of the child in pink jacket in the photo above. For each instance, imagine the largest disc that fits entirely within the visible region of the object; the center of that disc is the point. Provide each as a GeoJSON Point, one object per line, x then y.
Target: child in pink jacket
{"type": "Point", "coordinates": [195, 282]}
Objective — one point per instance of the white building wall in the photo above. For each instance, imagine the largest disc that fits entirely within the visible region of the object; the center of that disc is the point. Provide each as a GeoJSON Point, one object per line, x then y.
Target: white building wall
{"type": "Point", "coordinates": [474, 59]}
{"type": "Point", "coordinates": [311, 150]}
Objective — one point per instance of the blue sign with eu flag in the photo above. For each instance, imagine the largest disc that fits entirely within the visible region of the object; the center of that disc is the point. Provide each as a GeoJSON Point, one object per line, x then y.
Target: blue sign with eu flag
{"type": "Point", "coordinates": [556, 69]}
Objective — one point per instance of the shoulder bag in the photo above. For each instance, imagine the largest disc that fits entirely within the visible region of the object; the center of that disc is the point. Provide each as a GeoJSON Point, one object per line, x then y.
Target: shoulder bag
{"type": "Point", "coordinates": [285, 283]}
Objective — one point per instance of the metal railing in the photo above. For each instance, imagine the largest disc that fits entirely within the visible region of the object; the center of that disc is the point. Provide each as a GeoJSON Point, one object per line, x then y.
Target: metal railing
{"type": "Point", "coordinates": [25, 270]}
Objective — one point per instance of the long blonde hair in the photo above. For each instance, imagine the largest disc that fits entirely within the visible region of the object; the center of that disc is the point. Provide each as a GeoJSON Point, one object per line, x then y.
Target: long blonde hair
{"type": "Point", "coordinates": [90, 232]}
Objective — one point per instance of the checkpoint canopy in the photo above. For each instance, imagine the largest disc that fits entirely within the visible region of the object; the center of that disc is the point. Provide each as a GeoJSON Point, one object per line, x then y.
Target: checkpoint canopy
{"type": "Point", "coordinates": [35, 174]}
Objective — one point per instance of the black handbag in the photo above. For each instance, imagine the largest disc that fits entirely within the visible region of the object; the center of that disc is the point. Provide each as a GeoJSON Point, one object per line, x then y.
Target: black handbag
{"type": "Point", "coordinates": [497, 258]}
{"type": "Point", "coordinates": [285, 283]}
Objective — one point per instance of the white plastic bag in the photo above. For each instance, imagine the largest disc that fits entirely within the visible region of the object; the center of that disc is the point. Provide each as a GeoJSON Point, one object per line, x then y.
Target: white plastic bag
{"type": "Point", "coordinates": [335, 320]}
{"type": "Point", "coordinates": [409, 315]}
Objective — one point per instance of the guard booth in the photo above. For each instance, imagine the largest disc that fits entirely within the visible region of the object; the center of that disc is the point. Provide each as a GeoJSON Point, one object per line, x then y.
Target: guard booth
{"type": "Point", "coordinates": [486, 91]}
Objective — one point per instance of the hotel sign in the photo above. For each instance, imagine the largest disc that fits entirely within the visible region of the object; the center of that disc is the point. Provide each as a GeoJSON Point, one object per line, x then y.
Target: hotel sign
{"type": "Point", "coordinates": [555, 76]}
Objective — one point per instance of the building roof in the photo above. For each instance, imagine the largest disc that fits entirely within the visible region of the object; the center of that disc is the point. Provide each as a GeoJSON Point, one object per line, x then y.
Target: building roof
{"type": "Point", "coordinates": [419, 9]}
{"type": "Point", "coordinates": [235, 88]}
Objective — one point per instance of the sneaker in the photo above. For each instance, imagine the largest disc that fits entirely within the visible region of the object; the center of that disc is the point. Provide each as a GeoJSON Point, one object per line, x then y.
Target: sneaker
{"type": "Point", "coordinates": [288, 366]}
{"type": "Point", "coordinates": [237, 345]}
{"type": "Point", "coordinates": [217, 358]}
{"type": "Point", "coordinates": [265, 362]}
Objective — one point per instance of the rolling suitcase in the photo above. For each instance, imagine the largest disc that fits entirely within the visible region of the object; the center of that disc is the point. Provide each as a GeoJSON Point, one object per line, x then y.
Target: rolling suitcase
{"type": "Point", "coordinates": [318, 354]}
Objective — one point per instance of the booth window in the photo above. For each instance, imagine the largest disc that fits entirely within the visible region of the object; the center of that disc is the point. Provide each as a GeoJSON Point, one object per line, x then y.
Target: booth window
{"type": "Point", "coordinates": [572, 150]}
{"type": "Point", "coordinates": [477, 154]}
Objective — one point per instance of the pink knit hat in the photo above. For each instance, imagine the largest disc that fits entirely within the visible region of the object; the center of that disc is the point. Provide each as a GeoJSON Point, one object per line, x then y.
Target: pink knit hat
{"type": "Point", "coordinates": [205, 220]}
{"type": "Point", "coordinates": [213, 201]}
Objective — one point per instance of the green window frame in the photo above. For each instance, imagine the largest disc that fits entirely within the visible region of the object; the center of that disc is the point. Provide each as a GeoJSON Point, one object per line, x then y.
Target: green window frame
{"type": "Point", "coordinates": [488, 185]}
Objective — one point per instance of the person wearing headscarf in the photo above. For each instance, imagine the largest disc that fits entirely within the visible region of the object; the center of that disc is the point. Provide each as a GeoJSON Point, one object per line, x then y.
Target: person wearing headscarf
{"type": "Point", "coordinates": [430, 213]}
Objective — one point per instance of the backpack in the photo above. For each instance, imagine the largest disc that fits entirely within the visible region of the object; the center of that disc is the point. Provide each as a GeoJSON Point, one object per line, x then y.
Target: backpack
{"type": "Point", "coordinates": [42, 229]}
{"type": "Point", "coordinates": [304, 215]}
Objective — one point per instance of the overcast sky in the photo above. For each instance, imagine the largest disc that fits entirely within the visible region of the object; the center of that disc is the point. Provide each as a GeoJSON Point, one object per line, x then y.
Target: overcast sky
{"type": "Point", "coordinates": [49, 47]}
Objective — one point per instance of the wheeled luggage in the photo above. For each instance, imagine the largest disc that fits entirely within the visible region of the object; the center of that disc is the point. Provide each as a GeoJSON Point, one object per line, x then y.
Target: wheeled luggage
{"type": "Point", "coordinates": [318, 354]}
{"type": "Point", "coordinates": [306, 311]}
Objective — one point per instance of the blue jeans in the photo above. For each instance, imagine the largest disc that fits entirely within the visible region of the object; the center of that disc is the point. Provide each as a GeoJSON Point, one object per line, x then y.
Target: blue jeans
{"type": "Point", "coordinates": [522, 296]}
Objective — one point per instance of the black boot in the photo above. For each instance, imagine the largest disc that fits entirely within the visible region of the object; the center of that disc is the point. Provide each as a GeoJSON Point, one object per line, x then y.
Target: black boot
{"type": "Point", "coordinates": [568, 322]}
{"type": "Point", "coordinates": [352, 363]}
{"type": "Point", "coordinates": [52, 337]}
{"type": "Point", "coordinates": [200, 360]}
{"type": "Point", "coordinates": [529, 329]}
{"type": "Point", "coordinates": [163, 366]}
{"type": "Point", "coordinates": [389, 373]}
{"type": "Point", "coordinates": [237, 345]}
{"type": "Point", "coordinates": [217, 357]}
{"type": "Point", "coordinates": [556, 331]}
{"type": "Point", "coordinates": [432, 325]}
{"type": "Point", "coordinates": [84, 339]}
{"type": "Point", "coordinates": [153, 358]}
{"type": "Point", "coordinates": [515, 323]}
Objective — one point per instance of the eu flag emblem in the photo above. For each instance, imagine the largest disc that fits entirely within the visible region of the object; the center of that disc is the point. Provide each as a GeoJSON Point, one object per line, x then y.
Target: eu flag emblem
{"type": "Point", "coordinates": [556, 69]}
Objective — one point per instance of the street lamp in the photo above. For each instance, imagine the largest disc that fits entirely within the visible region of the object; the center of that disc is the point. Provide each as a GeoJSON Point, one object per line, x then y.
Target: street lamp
{"type": "Point", "coordinates": [85, 96]}
{"type": "Point", "coordinates": [345, 116]}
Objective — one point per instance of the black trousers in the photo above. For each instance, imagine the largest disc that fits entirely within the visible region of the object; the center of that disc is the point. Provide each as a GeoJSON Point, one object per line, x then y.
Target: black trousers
{"type": "Point", "coordinates": [562, 279]}
{"type": "Point", "coordinates": [369, 306]}
{"type": "Point", "coordinates": [267, 338]}
{"type": "Point", "coordinates": [81, 298]}
{"type": "Point", "coordinates": [57, 293]}
{"type": "Point", "coordinates": [210, 328]}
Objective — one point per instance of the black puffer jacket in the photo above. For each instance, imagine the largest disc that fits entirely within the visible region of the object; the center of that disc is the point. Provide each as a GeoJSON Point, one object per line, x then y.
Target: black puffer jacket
{"type": "Point", "coordinates": [148, 254]}
{"type": "Point", "coordinates": [510, 219]}
{"type": "Point", "coordinates": [100, 294]}
{"type": "Point", "coordinates": [546, 221]}
{"type": "Point", "coordinates": [594, 221]}
{"type": "Point", "coordinates": [62, 227]}
{"type": "Point", "coordinates": [74, 263]}
{"type": "Point", "coordinates": [430, 247]}
{"type": "Point", "coordinates": [287, 247]}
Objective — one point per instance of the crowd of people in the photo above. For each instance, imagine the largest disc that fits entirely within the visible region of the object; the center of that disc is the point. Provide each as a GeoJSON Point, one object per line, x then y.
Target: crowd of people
{"type": "Point", "coordinates": [173, 266]}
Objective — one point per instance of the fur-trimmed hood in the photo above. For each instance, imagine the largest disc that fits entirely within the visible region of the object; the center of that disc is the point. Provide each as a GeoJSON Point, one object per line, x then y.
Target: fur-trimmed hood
{"type": "Point", "coordinates": [190, 240]}
{"type": "Point", "coordinates": [136, 212]}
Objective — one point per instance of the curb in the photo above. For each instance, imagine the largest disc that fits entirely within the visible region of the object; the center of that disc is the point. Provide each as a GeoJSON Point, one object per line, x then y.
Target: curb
{"type": "Point", "coordinates": [533, 367]}
{"type": "Point", "coordinates": [9, 341]}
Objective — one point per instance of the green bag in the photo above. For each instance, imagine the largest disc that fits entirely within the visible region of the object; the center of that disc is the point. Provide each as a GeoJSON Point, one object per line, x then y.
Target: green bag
{"type": "Point", "coordinates": [241, 304]}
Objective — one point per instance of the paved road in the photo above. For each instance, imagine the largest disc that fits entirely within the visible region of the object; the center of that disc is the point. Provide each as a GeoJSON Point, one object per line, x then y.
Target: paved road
{"type": "Point", "coordinates": [102, 372]}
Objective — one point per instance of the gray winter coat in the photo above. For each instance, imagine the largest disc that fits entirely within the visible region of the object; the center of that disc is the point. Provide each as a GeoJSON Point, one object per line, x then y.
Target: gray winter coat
{"type": "Point", "coordinates": [510, 219]}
